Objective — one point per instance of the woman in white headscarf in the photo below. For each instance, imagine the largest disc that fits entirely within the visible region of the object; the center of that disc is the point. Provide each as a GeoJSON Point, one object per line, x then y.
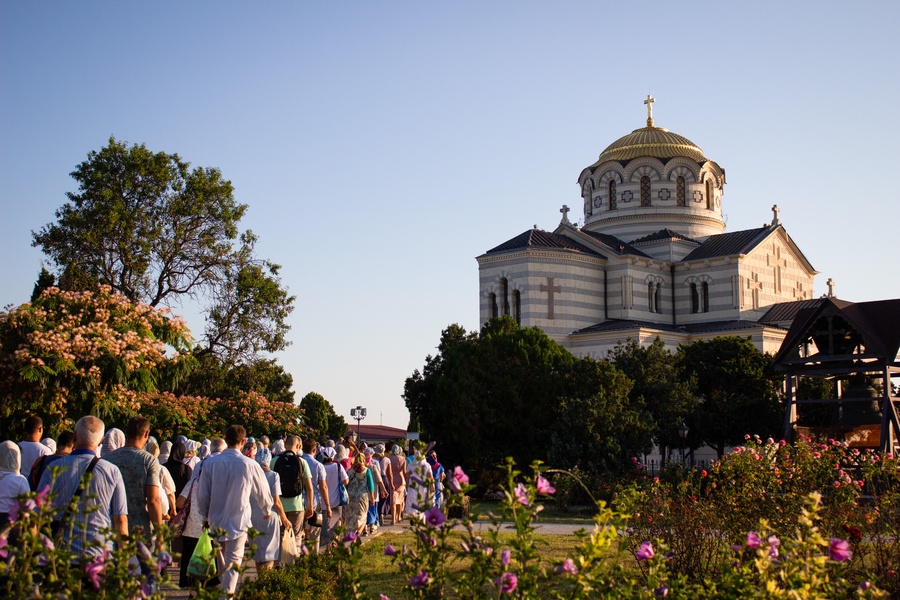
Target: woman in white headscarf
{"type": "Point", "coordinates": [165, 449]}
{"type": "Point", "coordinates": [12, 483]}
{"type": "Point", "coordinates": [50, 443]}
{"type": "Point", "coordinates": [113, 440]}
{"type": "Point", "coordinates": [190, 455]}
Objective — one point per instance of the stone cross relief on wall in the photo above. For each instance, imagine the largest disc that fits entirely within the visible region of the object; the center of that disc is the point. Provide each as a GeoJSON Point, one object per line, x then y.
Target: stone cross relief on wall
{"type": "Point", "coordinates": [550, 289]}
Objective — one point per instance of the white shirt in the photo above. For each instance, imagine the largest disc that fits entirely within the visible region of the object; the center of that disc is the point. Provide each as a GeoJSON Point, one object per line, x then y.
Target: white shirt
{"type": "Point", "coordinates": [228, 484]}
{"type": "Point", "coordinates": [31, 451]}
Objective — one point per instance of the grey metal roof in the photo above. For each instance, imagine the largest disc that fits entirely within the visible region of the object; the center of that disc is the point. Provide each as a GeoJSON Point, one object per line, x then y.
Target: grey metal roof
{"type": "Point", "coordinates": [538, 238]}
{"type": "Point", "coordinates": [664, 234]}
{"type": "Point", "coordinates": [709, 327]}
{"type": "Point", "coordinates": [613, 243]}
{"type": "Point", "coordinates": [787, 311]}
{"type": "Point", "coordinates": [729, 244]}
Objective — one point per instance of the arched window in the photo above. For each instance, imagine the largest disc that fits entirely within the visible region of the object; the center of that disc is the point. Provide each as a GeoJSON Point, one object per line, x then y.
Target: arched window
{"type": "Point", "coordinates": [679, 191]}
{"type": "Point", "coordinates": [704, 292]}
{"type": "Point", "coordinates": [645, 191]}
{"type": "Point", "coordinates": [710, 201]}
{"type": "Point", "coordinates": [695, 299]}
{"type": "Point", "coordinates": [651, 296]}
{"type": "Point", "coordinates": [612, 194]}
{"type": "Point", "coordinates": [504, 291]}
{"type": "Point", "coordinates": [656, 298]}
{"type": "Point", "coordinates": [517, 306]}
{"type": "Point", "coordinates": [492, 303]}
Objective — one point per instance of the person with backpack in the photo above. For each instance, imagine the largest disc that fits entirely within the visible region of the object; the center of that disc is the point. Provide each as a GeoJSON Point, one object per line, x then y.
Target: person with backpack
{"type": "Point", "coordinates": [296, 480]}
{"type": "Point", "coordinates": [64, 446]}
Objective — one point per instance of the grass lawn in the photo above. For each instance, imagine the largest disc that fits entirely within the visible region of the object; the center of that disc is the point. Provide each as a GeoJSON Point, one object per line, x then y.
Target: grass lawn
{"type": "Point", "coordinates": [552, 513]}
{"type": "Point", "coordinates": [381, 577]}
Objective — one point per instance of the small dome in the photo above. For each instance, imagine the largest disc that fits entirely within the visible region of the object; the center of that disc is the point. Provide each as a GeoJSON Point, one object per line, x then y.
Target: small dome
{"type": "Point", "coordinates": [651, 141]}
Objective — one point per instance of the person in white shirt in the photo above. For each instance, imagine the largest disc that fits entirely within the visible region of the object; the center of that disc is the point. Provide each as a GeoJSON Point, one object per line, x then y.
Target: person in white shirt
{"type": "Point", "coordinates": [228, 483]}
{"type": "Point", "coordinates": [31, 447]}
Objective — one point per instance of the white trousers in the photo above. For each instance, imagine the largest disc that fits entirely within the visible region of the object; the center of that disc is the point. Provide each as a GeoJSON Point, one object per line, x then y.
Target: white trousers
{"type": "Point", "coordinates": [231, 553]}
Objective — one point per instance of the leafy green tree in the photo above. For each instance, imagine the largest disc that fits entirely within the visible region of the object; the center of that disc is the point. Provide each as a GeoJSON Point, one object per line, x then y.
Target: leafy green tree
{"type": "Point", "coordinates": [45, 280]}
{"type": "Point", "coordinates": [318, 412]}
{"type": "Point", "coordinates": [156, 231]}
{"type": "Point", "coordinates": [599, 428]}
{"type": "Point", "coordinates": [657, 386]}
{"type": "Point", "coordinates": [739, 393]}
{"type": "Point", "coordinates": [512, 391]}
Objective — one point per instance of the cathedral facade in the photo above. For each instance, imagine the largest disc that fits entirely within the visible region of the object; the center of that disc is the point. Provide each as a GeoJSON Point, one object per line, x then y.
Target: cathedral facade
{"type": "Point", "coordinates": [652, 258]}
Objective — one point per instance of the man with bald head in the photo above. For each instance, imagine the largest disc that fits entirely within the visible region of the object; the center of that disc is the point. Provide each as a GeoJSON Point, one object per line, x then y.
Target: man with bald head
{"type": "Point", "coordinates": [103, 505]}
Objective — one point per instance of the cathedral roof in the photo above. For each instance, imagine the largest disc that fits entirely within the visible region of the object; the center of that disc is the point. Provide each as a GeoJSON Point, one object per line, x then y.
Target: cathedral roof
{"type": "Point", "coordinates": [708, 327]}
{"type": "Point", "coordinates": [786, 312]}
{"type": "Point", "coordinates": [651, 141]}
{"type": "Point", "coordinates": [614, 243]}
{"type": "Point", "coordinates": [538, 238]}
{"type": "Point", "coordinates": [729, 244]}
{"type": "Point", "coordinates": [664, 234]}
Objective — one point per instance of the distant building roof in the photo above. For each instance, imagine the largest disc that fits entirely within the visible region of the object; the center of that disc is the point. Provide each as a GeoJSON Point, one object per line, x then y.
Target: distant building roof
{"type": "Point", "coordinates": [378, 432]}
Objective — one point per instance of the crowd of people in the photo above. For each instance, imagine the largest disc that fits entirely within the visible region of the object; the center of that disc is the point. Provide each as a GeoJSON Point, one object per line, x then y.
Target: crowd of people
{"type": "Point", "coordinates": [127, 482]}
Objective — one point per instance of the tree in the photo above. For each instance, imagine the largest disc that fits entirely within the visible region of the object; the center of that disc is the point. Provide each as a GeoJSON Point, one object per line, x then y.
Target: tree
{"type": "Point", "coordinates": [512, 391]}
{"type": "Point", "coordinates": [45, 280]}
{"type": "Point", "coordinates": [321, 417]}
{"type": "Point", "coordinates": [155, 230]}
{"type": "Point", "coordinates": [739, 394]}
{"type": "Point", "coordinates": [657, 386]}
{"type": "Point", "coordinates": [599, 428]}
{"type": "Point", "coordinates": [70, 354]}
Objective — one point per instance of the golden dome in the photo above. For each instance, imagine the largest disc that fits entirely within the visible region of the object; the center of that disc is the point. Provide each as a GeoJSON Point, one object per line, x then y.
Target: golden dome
{"type": "Point", "coordinates": [651, 141]}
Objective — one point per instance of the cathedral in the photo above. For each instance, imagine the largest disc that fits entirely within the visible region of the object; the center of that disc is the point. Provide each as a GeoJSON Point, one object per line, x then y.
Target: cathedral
{"type": "Point", "coordinates": [651, 259]}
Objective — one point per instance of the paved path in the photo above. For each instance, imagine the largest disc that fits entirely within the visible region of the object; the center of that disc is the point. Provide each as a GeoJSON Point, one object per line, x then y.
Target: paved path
{"type": "Point", "coordinates": [544, 528]}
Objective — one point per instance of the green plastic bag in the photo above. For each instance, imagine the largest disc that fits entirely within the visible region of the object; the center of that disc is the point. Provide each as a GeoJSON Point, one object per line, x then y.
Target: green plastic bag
{"type": "Point", "coordinates": [203, 562]}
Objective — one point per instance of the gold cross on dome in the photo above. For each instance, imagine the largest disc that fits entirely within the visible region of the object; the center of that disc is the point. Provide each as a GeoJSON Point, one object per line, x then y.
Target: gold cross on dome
{"type": "Point", "coordinates": [649, 102]}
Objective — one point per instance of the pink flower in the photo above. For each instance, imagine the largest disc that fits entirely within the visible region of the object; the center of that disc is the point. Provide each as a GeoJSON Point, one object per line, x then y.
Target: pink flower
{"type": "Point", "coordinates": [753, 541]}
{"type": "Point", "coordinates": [645, 552]}
{"type": "Point", "coordinates": [41, 498]}
{"type": "Point", "coordinates": [521, 494]}
{"type": "Point", "coordinates": [703, 473]}
{"type": "Point", "coordinates": [389, 550]}
{"type": "Point", "coordinates": [568, 566]}
{"type": "Point", "coordinates": [94, 570]}
{"type": "Point", "coordinates": [839, 550]}
{"type": "Point", "coordinates": [507, 583]}
{"type": "Point", "coordinates": [435, 517]}
{"type": "Point", "coordinates": [350, 537]}
{"type": "Point", "coordinates": [421, 580]}
{"type": "Point", "coordinates": [505, 557]}
{"type": "Point", "coordinates": [774, 542]}
{"type": "Point", "coordinates": [3, 551]}
{"type": "Point", "coordinates": [543, 486]}
{"type": "Point", "coordinates": [460, 476]}
{"type": "Point", "coordinates": [662, 591]}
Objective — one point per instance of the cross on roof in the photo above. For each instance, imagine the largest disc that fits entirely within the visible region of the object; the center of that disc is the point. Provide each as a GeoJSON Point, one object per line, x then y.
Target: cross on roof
{"type": "Point", "coordinates": [649, 102]}
{"type": "Point", "coordinates": [775, 219]}
{"type": "Point", "coordinates": [565, 213]}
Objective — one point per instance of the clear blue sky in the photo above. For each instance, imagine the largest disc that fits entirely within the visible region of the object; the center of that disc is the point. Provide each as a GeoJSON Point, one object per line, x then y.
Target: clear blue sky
{"type": "Point", "coordinates": [381, 146]}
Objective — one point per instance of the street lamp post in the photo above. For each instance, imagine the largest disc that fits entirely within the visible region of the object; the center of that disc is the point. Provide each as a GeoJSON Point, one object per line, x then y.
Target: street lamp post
{"type": "Point", "coordinates": [682, 433]}
{"type": "Point", "coordinates": [358, 413]}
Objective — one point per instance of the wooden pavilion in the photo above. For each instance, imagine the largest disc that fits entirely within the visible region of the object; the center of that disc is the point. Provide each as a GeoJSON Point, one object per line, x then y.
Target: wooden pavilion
{"type": "Point", "coordinates": [841, 341]}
